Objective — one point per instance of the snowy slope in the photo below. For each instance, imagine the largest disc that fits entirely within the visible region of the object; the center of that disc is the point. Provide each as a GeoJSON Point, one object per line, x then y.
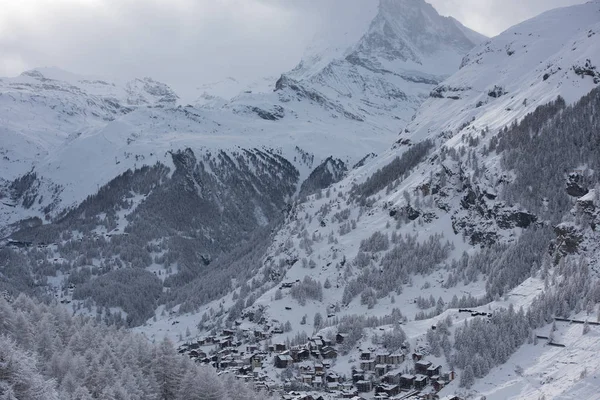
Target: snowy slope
{"type": "Point", "coordinates": [500, 81]}
{"type": "Point", "coordinates": [351, 104]}
{"type": "Point", "coordinates": [526, 66]}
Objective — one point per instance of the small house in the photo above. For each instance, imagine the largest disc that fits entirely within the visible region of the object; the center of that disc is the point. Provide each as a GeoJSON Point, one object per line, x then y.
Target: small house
{"type": "Point", "coordinates": [358, 375]}
{"type": "Point", "coordinates": [422, 366]}
{"type": "Point", "coordinates": [392, 377]}
{"type": "Point", "coordinates": [319, 369]}
{"type": "Point", "coordinates": [388, 390]}
{"type": "Point", "coordinates": [438, 385]}
{"type": "Point", "coordinates": [434, 370]}
{"type": "Point", "coordinates": [421, 381]}
{"type": "Point", "coordinates": [317, 382]}
{"type": "Point", "coordinates": [380, 370]}
{"type": "Point", "coordinates": [364, 386]}
{"type": "Point", "coordinates": [367, 365]}
{"type": "Point", "coordinates": [302, 354]}
{"type": "Point", "coordinates": [381, 358]}
{"type": "Point", "coordinates": [407, 381]}
{"type": "Point", "coordinates": [417, 356]}
{"type": "Point", "coordinates": [341, 337]}
{"type": "Point", "coordinates": [329, 353]}
{"type": "Point", "coordinates": [396, 358]}
{"type": "Point", "coordinates": [279, 347]}
{"type": "Point", "coordinates": [283, 361]}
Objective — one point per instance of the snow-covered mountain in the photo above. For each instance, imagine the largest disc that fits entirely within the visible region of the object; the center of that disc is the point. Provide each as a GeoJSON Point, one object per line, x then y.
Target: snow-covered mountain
{"type": "Point", "coordinates": [464, 211]}
{"type": "Point", "coordinates": [87, 132]}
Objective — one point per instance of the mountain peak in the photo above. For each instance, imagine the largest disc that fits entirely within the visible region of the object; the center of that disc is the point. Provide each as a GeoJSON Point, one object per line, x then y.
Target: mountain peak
{"type": "Point", "coordinates": [408, 31]}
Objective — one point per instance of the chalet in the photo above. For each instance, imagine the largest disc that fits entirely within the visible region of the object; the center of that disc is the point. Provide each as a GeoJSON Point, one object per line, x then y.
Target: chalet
{"type": "Point", "coordinates": [422, 366]}
{"type": "Point", "coordinates": [307, 379]}
{"type": "Point", "coordinates": [367, 365]}
{"type": "Point", "coordinates": [341, 337]}
{"type": "Point", "coordinates": [434, 370]}
{"type": "Point", "coordinates": [396, 358]}
{"type": "Point", "coordinates": [329, 353]}
{"type": "Point", "coordinates": [256, 360]}
{"type": "Point", "coordinates": [261, 335]}
{"type": "Point", "coordinates": [381, 358]}
{"type": "Point", "coordinates": [277, 330]}
{"type": "Point", "coordinates": [317, 382]}
{"type": "Point", "coordinates": [392, 377]}
{"type": "Point", "coordinates": [333, 377]}
{"type": "Point", "coordinates": [302, 354]}
{"type": "Point", "coordinates": [209, 340]}
{"type": "Point", "coordinates": [316, 344]}
{"type": "Point", "coordinates": [448, 376]}
{"type": "Point", "coordinates": [364, 386]}
{"type": "Point", "coordinates": [197, 354]}
{"type": "Point", "coordinates": [357, 375]}
{"type": "Point", "coordinates": [283, 361]}
{"type": "Point", "coordinates": [451, 397]}
{"type": "Point", "coordinates": [388, 390]}
{"type": "Point", "coordinates": [351, 394]}
{"type": "Point", "coordinates": [380, 370]}
{"type": "Point", "coordinates": [417, 356]}
{"type": "Point", "coordinates": [228, 332]}
{"type": "Point", "coordinates": [326, 364]}
{"type": "Point", "coordinates": [421, 381]}
{"type": "Point", "coordinates": [407, 381]}
{"type": "Point", "coordinates": [333, 385]}
{"type": "Point", "coordinates": [438, 385]}
{"type": "Point", "coordinates": [365, 355]}
{"type": "Point", "coordinates": [279, 347]}
{"type": "Point", "coordinates": [252, 348]}
{"type": "Point", "coordinates": [319, 369]}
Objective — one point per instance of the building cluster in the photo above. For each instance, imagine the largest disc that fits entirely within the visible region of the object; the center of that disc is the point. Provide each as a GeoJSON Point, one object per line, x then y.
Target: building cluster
{"type": "Point", "coordinates": [307, 367]}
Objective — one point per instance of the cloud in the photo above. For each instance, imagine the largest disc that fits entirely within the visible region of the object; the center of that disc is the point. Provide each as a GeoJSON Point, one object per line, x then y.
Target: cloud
{"type": "Point", "coordinates": [120, 38]}
{"type": "Point", "coordinates": [491, 17]}
{"type": "Point", "coordinates": [198, 41]}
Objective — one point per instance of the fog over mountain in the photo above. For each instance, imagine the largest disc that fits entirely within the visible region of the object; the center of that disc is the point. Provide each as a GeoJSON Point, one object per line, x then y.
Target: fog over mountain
{"type": "Point", "coordinates": [188, 43]}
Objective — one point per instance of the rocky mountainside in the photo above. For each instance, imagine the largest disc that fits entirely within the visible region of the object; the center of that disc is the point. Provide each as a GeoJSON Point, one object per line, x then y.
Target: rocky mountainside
{"type": "Point", "coordinates": [124, 175]}
{"type": "Point", "coordinates": [87, 132]}
{"type": "Point", "coordinates": [471, 242]}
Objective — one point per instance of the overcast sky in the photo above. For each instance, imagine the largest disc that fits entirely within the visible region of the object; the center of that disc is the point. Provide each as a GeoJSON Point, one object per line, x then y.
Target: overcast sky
{"type": "Point", "coordinates": [178, 41]}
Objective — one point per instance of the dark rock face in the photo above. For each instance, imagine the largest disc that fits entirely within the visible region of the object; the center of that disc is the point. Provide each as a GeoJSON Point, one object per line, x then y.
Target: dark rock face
{"type": "Point", "coordinates": [568, 238]}
{"type": "Point", "coordinates": [588, 69]}
{"type": "Point", "coordinates": [518, 219]}
{"type": "Point", "coordinates": [412, 214]}
{"type": "Point", "coordinates": [575, 186]}
{"type": "Point", "coordinates": [270, 115]}
{"type": "Point", "coordinates": [496, 92]}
